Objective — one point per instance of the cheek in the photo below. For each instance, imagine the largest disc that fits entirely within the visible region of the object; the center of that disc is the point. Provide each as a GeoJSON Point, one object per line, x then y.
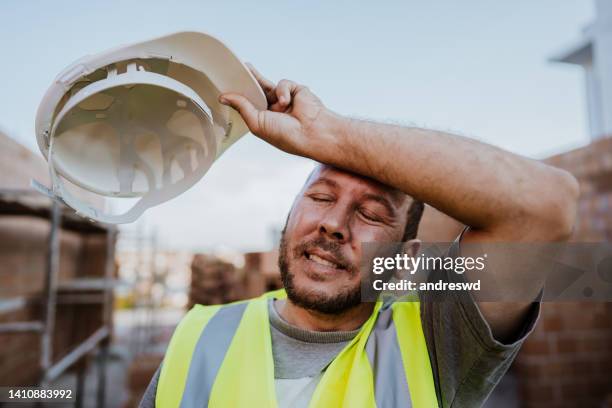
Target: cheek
{"type": "Point", "coordinates": [368, 233]}
{"type": "Point", "coordinates": [303, 220]}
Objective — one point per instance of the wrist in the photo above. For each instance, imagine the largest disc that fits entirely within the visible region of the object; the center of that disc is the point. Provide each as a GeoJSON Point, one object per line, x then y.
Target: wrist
{"type": "Point", "coordinates": [325, 139]}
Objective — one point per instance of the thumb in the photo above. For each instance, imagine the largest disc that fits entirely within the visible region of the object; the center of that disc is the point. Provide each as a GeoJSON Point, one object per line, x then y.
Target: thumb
{"type": "Point", "coordinates": [249, 113]}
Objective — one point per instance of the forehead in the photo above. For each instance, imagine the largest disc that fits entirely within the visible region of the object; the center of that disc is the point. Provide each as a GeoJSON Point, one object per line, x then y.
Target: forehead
{"type": "Point", "coordinates": [332, 176]}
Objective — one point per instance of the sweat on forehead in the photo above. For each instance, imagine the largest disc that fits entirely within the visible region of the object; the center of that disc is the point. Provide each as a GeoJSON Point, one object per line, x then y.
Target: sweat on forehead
{"type": "Point", "coordinates": [328, 172]}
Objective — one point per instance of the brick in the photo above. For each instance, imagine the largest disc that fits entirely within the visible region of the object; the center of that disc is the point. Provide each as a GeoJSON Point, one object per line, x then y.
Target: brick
{"type": "Point", "coordinates": [574, 391]}
{"type": "Point", "coordinates": [538, 394]}
{"type": "Point", "coordinates": [567, 345]}
{"type": "Point", "coordinates": [602, 320]}
{"type": "Point", "coordinates": [552, 323]}
{"type": "Point", "coordinates": [534, 346]}
{"type": "Point", "coordinates": [595, 345]}
{"type": "Point", "coordinates": [553, 368]}
{"type": "Point", "coordinates": [582, 370]}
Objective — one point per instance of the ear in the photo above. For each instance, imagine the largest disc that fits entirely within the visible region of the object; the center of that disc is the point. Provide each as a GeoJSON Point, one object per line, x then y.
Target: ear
{"type": "Point", "coordinates": [412, 247]}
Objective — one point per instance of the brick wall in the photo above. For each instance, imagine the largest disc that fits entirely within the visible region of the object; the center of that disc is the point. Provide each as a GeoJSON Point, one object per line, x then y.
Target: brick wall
{"type": "Point", "coordinates": [567, 362]}
{"type": "Point", "coordinates": [592, 166]}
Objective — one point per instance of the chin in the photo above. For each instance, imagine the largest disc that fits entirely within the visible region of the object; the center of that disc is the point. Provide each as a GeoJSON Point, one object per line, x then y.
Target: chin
{"type": "Point", "coordinates": [322, 289]}
{"type": "Point", "coordinates": [316, 286]}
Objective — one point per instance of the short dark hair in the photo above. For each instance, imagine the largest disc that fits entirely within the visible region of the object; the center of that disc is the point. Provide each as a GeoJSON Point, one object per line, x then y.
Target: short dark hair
{"type": "Point", "coordinates": [415, 213]}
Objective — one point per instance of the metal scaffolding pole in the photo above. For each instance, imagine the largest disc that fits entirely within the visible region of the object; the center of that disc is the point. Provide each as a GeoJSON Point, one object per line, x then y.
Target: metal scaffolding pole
{"type": "Point", "coordinates": [109, 268]}
{"type": "Point", "coordinates": [50, 290]}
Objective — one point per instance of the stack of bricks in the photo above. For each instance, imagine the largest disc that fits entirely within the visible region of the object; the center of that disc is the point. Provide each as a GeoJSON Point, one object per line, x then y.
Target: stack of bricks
{"type": "Point", "coordinates": [20, 352]}
{"type": "Point", "coordinates": [567, 361]}
{"type": "Point", "coordinates": [23, 264]}
{"type": "Point", "coordinates": [214, 281]}
{"type": "Point", "coordinates": [23, 257]}
{"type": "Point", "coordinates": [261, 272]}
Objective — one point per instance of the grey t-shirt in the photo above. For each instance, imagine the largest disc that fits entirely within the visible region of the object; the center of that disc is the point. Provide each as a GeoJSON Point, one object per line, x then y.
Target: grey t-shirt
{"type": "Point", "coordinates": [466, 360]}
{"type": "Point", "coordinates": [300, 358]}
{"type": "Point", "coordinates": [300, 353]}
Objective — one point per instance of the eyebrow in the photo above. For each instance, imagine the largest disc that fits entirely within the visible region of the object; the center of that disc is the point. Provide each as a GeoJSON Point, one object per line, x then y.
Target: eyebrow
{"type": "Point", "coordinates": [323, 180]}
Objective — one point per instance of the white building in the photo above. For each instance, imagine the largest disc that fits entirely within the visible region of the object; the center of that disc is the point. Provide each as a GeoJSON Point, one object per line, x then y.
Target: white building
{"type": "Point", "coordinates": [594, 53]}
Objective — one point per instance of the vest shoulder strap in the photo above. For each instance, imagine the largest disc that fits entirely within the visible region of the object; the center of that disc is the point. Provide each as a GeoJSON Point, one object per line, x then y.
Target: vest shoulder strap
{"type": "Point", "coordinates": [200, 346]}
{"type": "Point", "coordinates": [414, 354]}
{"type": "Point", "coordinates": [175, 366]}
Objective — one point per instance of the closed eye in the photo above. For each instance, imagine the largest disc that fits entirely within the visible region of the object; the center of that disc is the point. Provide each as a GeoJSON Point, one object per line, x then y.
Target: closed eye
{"type": "Point", "coordinates": [321, 198]}
{"type": "Point", "coordinates": [369, 215]}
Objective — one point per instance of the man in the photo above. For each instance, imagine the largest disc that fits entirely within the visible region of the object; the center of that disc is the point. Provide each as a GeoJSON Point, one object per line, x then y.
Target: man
{"type": "Point", "coordinates": [320, 345]}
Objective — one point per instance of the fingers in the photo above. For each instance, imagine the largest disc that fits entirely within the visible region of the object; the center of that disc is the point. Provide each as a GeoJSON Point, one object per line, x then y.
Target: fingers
{"type": "Point", "coordinates": [285, 91]}
{"type": "Point", "coordinates": [278, 129]}
{"type": "Point", "coordinates": [265, 83]}
{"type": "Point", "coordinates": [249, 113]}
{"type": "Point", "coordinates": [279, 96]}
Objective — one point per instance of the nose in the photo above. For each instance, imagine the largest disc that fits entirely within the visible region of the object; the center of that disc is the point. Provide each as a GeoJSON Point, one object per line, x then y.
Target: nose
{"type": "Point", "coordinates": [334, 225]}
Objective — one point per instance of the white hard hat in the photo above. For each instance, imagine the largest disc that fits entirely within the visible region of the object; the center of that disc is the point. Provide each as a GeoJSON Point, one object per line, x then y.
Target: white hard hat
{"type": "Point", "coordinates": [141, 120]}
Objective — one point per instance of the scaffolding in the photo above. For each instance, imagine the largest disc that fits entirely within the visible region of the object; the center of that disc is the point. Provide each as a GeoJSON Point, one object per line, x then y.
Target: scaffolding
{"type": "Point", "coordinates": [28, 202]}
{"type": "Point", "coordinates": [145, 273]}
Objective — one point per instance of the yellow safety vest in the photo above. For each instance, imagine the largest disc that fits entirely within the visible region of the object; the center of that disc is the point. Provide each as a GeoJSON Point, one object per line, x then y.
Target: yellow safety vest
{"type": "Point", "coordinates": [221, 356]}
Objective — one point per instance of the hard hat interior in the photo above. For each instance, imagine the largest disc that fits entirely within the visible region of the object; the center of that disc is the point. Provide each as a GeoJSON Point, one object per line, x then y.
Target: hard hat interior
{"type": "Point", "coordinates": [125, 135]}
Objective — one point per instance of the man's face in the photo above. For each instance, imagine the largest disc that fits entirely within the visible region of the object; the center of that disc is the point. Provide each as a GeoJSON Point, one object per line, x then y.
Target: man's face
{"type": "Point", "coordinates": [320, 251]}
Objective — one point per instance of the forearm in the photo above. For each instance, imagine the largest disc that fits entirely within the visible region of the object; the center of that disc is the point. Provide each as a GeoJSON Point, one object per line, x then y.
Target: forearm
{"type": "Point", "coordinates": [478, 184]}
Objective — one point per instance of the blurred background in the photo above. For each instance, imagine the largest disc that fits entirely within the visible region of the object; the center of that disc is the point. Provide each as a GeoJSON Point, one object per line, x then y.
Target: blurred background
{"type": "Point", "coordinates": [91, 307]}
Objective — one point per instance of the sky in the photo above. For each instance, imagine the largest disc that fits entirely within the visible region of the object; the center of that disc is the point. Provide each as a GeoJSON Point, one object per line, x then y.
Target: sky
{"type": "Point", "coordinates": [474, 67]}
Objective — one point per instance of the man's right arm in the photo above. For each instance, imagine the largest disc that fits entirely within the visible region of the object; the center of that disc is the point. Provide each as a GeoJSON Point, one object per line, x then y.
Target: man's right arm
{"type": "Point", "coordinates": [503, 197]}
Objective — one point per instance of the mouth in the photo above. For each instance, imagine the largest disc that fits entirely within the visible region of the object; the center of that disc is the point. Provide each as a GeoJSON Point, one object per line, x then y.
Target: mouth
{"type": "Point", "coordinates": [324, 259]}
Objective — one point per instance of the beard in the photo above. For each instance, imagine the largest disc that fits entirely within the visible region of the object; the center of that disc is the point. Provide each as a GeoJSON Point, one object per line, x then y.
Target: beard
{"type": "Point", "coordinates": [341, 301]}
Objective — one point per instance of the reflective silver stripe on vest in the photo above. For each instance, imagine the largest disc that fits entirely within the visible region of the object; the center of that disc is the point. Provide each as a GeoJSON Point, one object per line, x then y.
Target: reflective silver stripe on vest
{"type": "Point", "coordinates": [390, 382]}
{"type": "Point", "coordinates": [209, 354]}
